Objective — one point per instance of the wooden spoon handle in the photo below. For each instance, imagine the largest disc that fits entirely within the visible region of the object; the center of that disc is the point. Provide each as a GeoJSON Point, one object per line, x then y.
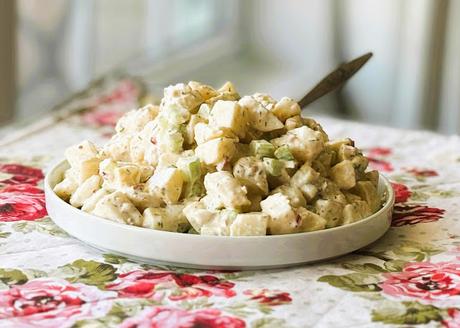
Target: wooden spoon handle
{"type": "Point", "coordinates": [335, 79]}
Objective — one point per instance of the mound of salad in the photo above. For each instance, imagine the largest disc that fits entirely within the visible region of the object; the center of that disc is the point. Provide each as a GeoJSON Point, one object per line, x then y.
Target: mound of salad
{"type": "Point", "coordinates": [208, 161]}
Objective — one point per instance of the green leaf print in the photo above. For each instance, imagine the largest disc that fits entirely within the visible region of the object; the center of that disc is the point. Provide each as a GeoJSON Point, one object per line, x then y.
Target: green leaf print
{"type": "Point", "coordinates": [406, 250]}
{"type": "Point", "coordinates": [45, 225]}
{"type": "Point", "coordinates": [4, 234]}
{"type": "Point", "coordinates": [394, 265]}
{"type": "Point", "coordinates": [354, 282]}
{"type": "Point", "coordinates": [88, 272]}
{"type": "Point", "coordinates": [120, 311]}
{"type": "Point", "coordinates": [115, 259]}
{"type": "Point", "coordinates": [408, 313]}
{"type": "Point", "coordinates": [269, 322]}
{"type": "Point", "coordinates": [364, 268]}
{"type": "Point", "coordinates": [12, 277]}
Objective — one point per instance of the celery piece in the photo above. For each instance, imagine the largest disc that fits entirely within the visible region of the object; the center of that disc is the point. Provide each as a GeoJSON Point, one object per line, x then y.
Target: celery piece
{"type": "Point", "coordinates": [191, 167]}
{"type": "Point", "coordinates": [284, 153]}
{"type": "Point", "coordinates": [274, 167]}
{"type": "Point", "coordinates": [261, 148]}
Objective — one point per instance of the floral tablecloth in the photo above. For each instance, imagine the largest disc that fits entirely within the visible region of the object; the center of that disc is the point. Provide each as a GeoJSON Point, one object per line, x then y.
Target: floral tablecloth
{"type": "Point", "coordinates": [409, 277]}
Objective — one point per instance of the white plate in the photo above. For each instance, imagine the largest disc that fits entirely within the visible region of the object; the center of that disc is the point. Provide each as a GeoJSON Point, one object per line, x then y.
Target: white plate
{"type": "Point", "coordinates": [214, 252]}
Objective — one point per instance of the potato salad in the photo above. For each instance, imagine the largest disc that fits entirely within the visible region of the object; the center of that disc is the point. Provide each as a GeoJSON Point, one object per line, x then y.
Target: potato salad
{"type": "Point", "coordinates": [208, 161]}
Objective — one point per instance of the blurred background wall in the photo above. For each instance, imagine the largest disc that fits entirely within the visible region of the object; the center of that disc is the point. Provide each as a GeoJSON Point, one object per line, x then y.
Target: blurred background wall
{"type": "Point", "coordinates": [276, 46]}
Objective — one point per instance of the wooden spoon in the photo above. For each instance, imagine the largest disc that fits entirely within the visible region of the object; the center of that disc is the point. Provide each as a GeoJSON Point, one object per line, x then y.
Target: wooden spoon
{"type": "Point", "coordinates": [335, 79]}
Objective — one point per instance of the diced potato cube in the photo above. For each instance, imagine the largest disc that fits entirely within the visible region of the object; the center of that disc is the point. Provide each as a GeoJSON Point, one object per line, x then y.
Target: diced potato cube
{"type": "Point", "coordinates": [304, 143]}
{"type": "Point", "coordinates": [309, 221]}
{"type": "Point", "coordinates": [265, 100]}
{"type": "Point", "coordinates": [145, 171]}
{"type": "Point", "coordinates": [351, 198]}
{"type": "Point", "coordinates": [286, 108]}
{"type": "Point", "coordinates": [168, 183]}
{"type": "Point", "coordinates": [189, 135]}
{"type": "Point", "coordinates": [204, 90]}
{"type": "Point", "coordinates": [85, 190]}
{"type": "Point", "coordinates": [296, 198]}
{"type": "Point", "coordinates": [86, 169]}
{"type": "Point", "coordinates": [304, 179]}
{"type": "Point", "coordinates": [293, 122]}
{"type": "Point", "coordinates": [228, 190]}
{"type": "Point", "coordinates": [347, 152]}
{"type": "Point", "coordinates": [197, 214]}
{"type": "Point", "coordinates": [141, 198]}
{"type": "Point", "coordinates": [204, 132]}
{"type": "Point", "coordinates": [228, 114]}
{"type": "Point", "coordinates": [260, 117]}
{"type": "Point", "coordinates": [182, 95]}
{"type": "Point", "coordinates": [117, 207]}
{"type": "Point", "coordinates": [90, 203]}
{"type": "Point", "coordinates": [343, 174]}
{"type": "Point", "coordinates": [135, 120]}
{"type": "Point", "coordinates": [227, 87]}
{"type": "Point", "coordinates": [66, 188]}
{"type": "Point", "coordinates": [360, 163]}
{"type": "Point", "coordinates": [166, 160]}
{"type": "Point", "coordinates": [330, 210]}
{"type": "Point", "coordinates": [336, 144]}
{"type": "Point", "coordinates": [249, 224]}
{"type": "Point", "coordinates": [329, 190]}
{"type": "Point", "coordinates": [373, 176]}
{"type": "Point", "coordinates": [282, 216]}
{"type": "Point", "coordinates": [355, 211]}
{"type": "Point", "coordinates": [216, 151]}
{"type": "Point", "coordinates": [81, 152]}
{"type": "Point", "coordinates": [220, 224]}
{"type": "Point", "coordinates": [368, 192]}
{"type": "Point", "coordinates": [165, 219]}
{"type": "Point", "coordinates": [127, 175]}
{"type": "Point", "coordinates": [119, 147]}
{"type": "Point", "coordinates": [250, 171]}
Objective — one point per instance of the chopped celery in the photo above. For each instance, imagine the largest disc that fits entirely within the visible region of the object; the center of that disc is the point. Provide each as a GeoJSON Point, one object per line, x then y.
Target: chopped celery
{"type": "Point", "coordinates": [284, 153]}
{"type": "Point", "coordinates": [170, 141]}
{"type": "Point", "coordinates": [191, 167]}
{"type": "Point", "coordinates": [261, 148]}
{"type": "Point", "coordinates": [194, 189]}
{"type": "Point", "coordinates": [274, 167]}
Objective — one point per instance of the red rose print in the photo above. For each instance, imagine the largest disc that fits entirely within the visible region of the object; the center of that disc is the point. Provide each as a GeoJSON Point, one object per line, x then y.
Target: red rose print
{"type": "Point", "coordinates": [427, 282]}
{"type": "Point", "coordinates": [22, 202]}
{"type": "Point", "coordinates": [140, 283]}
{"type": "Point", "coordinates": [404, 214]}
{"type": "Point", "coordinates": [375, 154]}
{"type": "Point", "coordinates": [169, 317]}
{"type": "Point", "coordinates": [102, 117]}
{"type": "Point", "coordinates": [21, 174]}
{"type": "Point", "coordinates": [269, 297]}
{"type": "Point", "coordinates": [380, 164]}
{"type": "Point", "coordinates": [108, 108]}
{"type": "Point", "coordinates": [126, 91]}
{"type": "Point", "coordinates": [423, 173]}
{"type": "Point", "coordinates": [453, 319]}
{"type": "Point", "coordinates": [52, 303]}
{"type": "Point", "coordinates": [402, 192]}
{"type": "Point", "coordinates": [379, 151]}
